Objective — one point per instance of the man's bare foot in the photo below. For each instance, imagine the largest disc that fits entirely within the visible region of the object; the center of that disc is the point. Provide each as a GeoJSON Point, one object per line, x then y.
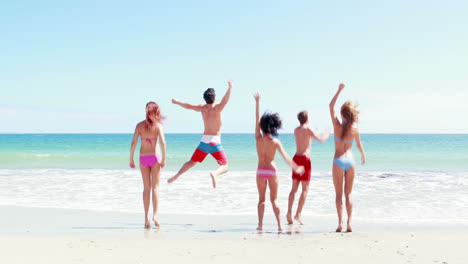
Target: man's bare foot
{"type": "Point", "coordinates": [338, 229]}
{"type": "Point", "coordinates": [147, 223]}
{"type": "Point", "coordinates": [289, 218]}
{"type": "Point", "coordinates": [280, 229]}
{"type": "Point", "coordinates": [299, 219]}
{"type": "Point", "coordinates": [213, 179]}
{"type": "Point", "coordinates": [259, 227]}
{"type": "Point", "coordinates": [156, 222]}
{"type": "Point", "coordinates": [349, 229]}
{"type": "Point", "coordinates": [172, 179]}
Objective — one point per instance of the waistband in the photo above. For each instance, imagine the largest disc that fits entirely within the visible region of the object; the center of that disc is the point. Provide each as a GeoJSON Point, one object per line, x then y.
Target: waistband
{"type": "Point", "coordinates": [211, 139]}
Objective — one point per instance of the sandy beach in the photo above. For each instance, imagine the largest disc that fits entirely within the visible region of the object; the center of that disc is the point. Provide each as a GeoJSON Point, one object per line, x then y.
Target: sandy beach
{"type": "Point", "coordinates": [426, 247]}
{"type": "Point", "coordinates": [40, 235]}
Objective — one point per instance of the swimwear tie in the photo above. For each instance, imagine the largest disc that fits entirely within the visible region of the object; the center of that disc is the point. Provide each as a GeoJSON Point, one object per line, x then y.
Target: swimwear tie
{"type": "Point", "coordinates": [149, 141]}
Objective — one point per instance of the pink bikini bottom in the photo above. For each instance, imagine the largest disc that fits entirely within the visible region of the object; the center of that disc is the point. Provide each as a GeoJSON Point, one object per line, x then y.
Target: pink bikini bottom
{"type": "Point", "coordinates": [148, 161]}
{"type": "Point", "coordinates": [266, 173]}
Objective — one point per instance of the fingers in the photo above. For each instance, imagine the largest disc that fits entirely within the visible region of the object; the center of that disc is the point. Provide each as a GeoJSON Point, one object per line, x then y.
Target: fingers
{"type": "Point", "coordinates": [300, 170]}
{"type": "Point", "coordinates": [256, 96]}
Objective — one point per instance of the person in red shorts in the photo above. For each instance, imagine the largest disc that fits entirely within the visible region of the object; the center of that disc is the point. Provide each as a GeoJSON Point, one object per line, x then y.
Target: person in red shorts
{"type": "Point", "coordinates": [210, 142]}
{"type": "Point", "coordinates": [303, 135]}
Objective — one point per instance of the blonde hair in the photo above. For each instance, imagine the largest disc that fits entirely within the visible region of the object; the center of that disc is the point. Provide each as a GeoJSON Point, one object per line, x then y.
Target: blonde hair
{"type": "Point", "coordinates": [350, 114]}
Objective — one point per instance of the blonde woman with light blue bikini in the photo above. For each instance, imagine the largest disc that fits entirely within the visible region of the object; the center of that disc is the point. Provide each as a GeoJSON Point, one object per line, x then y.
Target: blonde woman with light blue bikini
{"type": "Point", "coordinates": [343, 162]}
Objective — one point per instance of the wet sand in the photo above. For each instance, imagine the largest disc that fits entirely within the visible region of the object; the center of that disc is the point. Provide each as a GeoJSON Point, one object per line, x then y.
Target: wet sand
{"type": "Point", "coordinates": [39, 235]}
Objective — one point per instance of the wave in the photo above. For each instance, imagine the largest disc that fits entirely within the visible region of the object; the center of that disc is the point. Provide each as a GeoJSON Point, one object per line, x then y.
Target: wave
{"type": "Point", "coordinates": [380, 196]}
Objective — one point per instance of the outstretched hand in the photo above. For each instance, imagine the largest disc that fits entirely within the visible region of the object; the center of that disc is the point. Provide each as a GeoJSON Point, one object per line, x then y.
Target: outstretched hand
{"type": "Point", "coordinates": [341, 86]}
{"type": "Point", "coordinates": [325, 135]}
{"type": "Point", "coordinates": [257, 97]}
{"type": "Point", "coordinates": [174, 101]}
{"type": "Point", "coordinates": [299, 170]}
{"type": "Point", "coordinates": [230, 83]}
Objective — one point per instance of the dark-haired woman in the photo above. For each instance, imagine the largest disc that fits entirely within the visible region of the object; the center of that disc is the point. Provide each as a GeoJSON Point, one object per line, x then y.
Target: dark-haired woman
{"type": "Point", "coordinates": [266, 129]}
{"type": "Point", "coordinates": [150, 130]}
{"type": "Point", "coordinates": [343, 162]}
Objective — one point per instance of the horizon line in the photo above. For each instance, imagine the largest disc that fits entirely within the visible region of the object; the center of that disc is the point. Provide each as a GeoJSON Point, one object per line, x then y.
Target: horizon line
{"type": "Point", "coordinates": [194, 133]}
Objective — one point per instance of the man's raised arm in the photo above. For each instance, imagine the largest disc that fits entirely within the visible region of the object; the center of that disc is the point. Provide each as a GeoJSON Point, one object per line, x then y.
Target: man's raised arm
{"type": "Point", "coordinates": [197, 108]}
{"type": "Point", "coordinates": [225, 99]}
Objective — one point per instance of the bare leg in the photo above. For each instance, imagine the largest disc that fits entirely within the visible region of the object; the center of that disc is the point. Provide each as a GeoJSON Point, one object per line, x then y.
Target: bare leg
{"type": "Point", "coordinates": [348, 188]}
{"type": "Point", "coordinates": [261, 186]}
{"type": "Point", "coordinates": [292, 194]}
{"type": "Point", "coordinates": [338, 183]}
{"type": "Point", "coordinates": [220, 170]}
{"type": "Point", "coordinates": [302, 199]}
{"type": "Point", "coordinates": [155, 177]}
{"type": "Point", "coordinates": [187, 165]}
{"type": "Point", "coordinates": [145, 174]}
{"type": "Point", "coordinates": [273, 185]}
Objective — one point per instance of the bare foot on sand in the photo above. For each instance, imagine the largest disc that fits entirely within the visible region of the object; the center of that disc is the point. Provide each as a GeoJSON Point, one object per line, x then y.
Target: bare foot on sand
{"type": "Point", "coordinates": [338, 229]}
{"type": "Point", "coordinates": [280, 229]}
{"type": "Point", "coordinates": [349, 229]}
{"type": "Point", "coordinates": [213, 179]}
{"type": "Point", "coordinates": [259, 227]}
{"type": "Point", "coordinates": [172, 179]}
{"type": "Point", "coordinates": [147, 223]}
{"type": "Point", "coordinates": [299, 219]}
{"type": "Point", "coordinates": [289, 218]}
{"type": "Point", "coordinates": [156, 222]}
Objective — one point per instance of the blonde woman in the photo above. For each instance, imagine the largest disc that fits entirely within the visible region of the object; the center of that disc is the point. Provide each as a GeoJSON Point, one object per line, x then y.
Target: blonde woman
{"type": "Point", "coordinates": [343, 162]}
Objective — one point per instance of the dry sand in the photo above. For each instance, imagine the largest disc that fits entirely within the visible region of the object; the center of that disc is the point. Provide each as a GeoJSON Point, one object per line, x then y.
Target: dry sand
{"type": "Point", "coordinates": [419, 247]}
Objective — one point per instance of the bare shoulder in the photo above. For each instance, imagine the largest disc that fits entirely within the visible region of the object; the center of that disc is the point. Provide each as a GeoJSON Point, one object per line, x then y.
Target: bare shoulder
{"type": "Point", "coordinates": [276, 141]}
{"type": "Point", "coordinates": [218, 108]}
{"type": "Point", "coordinates": [141, 124]}
{"type": "Point", "coordinates": [259, 138]}
{"type": "Point", "coordinates": [355, 131]}
{"type": "Point", "coordinates": [159, 126]}
{"type": "Point", "coordinates": [138, 128]}
{"type": "Point", "coordinates": [204, 107]}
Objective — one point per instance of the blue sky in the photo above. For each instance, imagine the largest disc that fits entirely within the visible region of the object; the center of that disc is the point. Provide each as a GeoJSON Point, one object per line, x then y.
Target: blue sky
{"type": "Point", "coordinates": [91, 66]}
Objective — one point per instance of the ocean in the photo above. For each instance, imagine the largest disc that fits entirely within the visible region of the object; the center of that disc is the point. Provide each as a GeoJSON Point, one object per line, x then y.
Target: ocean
{"type": "Point", "coordinates": [407, 177]}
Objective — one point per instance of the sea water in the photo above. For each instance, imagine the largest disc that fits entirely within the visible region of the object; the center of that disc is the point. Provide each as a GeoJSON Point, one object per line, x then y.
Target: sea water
{"type": "Point", "coordinates": [407, 177]}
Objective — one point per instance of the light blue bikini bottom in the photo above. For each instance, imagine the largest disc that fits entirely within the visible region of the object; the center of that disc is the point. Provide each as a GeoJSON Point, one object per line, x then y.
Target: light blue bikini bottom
{"type": "Point", "coordinates": [344, 163]}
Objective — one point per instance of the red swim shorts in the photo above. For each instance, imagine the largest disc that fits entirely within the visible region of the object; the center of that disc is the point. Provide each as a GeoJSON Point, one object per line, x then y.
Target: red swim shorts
{"type": "Point", "coordinates": [216, 150]}
{"type": "Point", "coordinates": [302, 161]}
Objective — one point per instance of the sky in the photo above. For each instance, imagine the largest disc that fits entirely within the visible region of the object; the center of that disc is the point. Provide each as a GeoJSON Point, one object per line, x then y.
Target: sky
{"type": "Point", "coordinates": [91, 66]}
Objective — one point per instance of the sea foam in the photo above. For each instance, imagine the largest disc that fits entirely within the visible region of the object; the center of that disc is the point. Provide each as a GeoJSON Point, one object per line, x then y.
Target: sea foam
{"type": "Point", "coordinates": [378, 196]}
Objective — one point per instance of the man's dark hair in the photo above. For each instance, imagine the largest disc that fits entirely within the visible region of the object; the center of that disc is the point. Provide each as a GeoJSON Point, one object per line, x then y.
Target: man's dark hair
{"type": "Point", "coordinates": [270, 123]}
{"type": "Point", "coordinates": [302, 117]}
{"type": "Point", "coordinates": [209, 95]}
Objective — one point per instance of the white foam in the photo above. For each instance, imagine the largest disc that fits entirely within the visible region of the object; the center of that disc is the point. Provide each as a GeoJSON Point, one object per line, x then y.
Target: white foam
{"type": "Point", "coordinates": [379, 196]}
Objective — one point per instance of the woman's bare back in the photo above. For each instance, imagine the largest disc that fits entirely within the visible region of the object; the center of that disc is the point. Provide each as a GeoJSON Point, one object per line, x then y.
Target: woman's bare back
{"type": "Point", "coordinates": [266, 150]}
{"type": "Point", "coordinates": [149, 138]}
{"type": "Point", "coordinates": [344, 145]}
